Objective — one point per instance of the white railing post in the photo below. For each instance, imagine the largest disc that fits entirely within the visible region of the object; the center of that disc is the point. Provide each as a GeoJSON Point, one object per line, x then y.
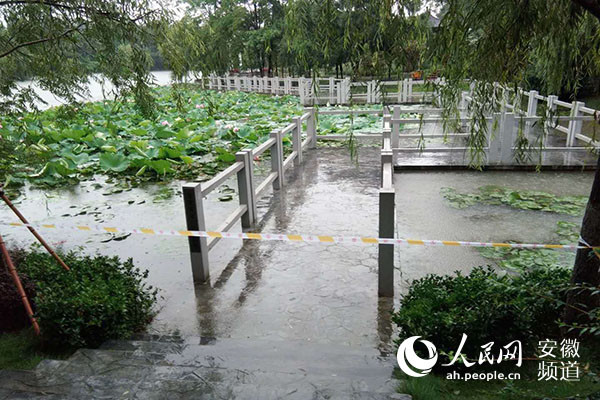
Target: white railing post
{"type": "Point", "coordinates": [575, 126]}
{"type": "Point", "coordinates": [274, 85]}
{"type": "Point", "coordinates": [194, 217]}
{"type": "Point", "coordinates": [277, 160]}
{"type": "Point", "coordinates": [369, 92]}
{"type": "Point", "coordinates": [297, 140]}
{"type": "Point", "coordinates": [245, 182]}
{"type": "Point", "coordinates": [531, 109]}
{"type": "Point", "coordinates": [395, 128]}
{"type": "Point", "coordinates": [410, 90]}
{"type": "Point", "coordinates": [494, 139]}
{"type": "Point", "coordinates": [507, 138]}
{"type": "Point", "coordinates": [331, 99]}
{"type": "Point", "coordinates": [550, 111]}
{"type": "Point", "coordinates": [311, 127]}
{"type": "Point", "coordinates": [302, 91]}
{"type": "Point", "coordinates": [346, 91]}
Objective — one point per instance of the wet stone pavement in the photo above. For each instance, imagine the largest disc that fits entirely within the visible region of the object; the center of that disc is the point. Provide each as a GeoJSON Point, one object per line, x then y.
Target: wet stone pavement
{"type": "Point", "coordinates": [263, 290]}
{"type": "Point", "coordinates": [277, 320]}
{"type": "Point", "coordinates": [170, 367]}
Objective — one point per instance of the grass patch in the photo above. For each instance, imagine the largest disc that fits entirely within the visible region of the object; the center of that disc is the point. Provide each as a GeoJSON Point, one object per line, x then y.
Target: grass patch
{"type": "Point", "coordinates": [24, 350]}
{"type": "Point", "coordinates": [436, 387]}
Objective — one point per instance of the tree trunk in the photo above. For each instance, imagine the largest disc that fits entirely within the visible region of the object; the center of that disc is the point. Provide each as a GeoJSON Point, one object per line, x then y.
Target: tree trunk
{"type": "Point", "coordinates": [586, 271]}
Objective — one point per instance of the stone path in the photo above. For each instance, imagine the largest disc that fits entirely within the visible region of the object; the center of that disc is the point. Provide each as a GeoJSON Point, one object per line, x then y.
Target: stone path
{"type": "Point", "coordinates": [171, 367]}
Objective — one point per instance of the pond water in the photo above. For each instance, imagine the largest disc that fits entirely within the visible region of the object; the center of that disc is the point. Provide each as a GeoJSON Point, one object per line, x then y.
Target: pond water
{"type": "Point", "coordinates": [423, 213]}
{"type": "Point", "coordinates": [98, 89]}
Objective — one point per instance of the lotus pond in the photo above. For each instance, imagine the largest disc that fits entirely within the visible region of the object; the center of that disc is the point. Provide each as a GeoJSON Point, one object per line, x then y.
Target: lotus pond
{"type": "Point", "coordinates": [193, 135]}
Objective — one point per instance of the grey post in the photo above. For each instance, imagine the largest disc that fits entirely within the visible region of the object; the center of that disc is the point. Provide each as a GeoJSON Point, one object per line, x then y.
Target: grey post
{"type": "Point", "coordinates": [297, 141]}
{"type": "Point", "coordinates": [311, 127]}
{"type": "Point", "coordinates": [277, 160]}
{"type": "Point", "coordinates": [246, 187]}
{"type": "Point", "coordinates": [386, 230]}
{"type": "Point", "coordinates": [194, 217]}
{"type": "Point", "coordinates": [395, 128]}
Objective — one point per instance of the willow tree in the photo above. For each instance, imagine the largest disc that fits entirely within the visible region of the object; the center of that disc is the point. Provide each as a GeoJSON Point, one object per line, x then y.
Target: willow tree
{"type": "Point", "coordinates": [61, 43]}
{"type": "Point", "coordinates": [510, 41]}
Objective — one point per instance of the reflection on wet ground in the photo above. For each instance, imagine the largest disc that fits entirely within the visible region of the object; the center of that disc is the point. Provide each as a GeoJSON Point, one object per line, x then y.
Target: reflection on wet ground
{"type": "Point", "coordinates": [273, 290]}
{"type": "Point", "coordinates": [280, 290]}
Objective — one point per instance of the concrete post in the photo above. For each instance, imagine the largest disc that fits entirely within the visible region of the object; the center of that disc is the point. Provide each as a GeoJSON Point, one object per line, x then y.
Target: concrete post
{"type": "Point", "coordinates": [297, 141]}
{"type": "Point", "coordinates": [507, 138]}
{"type": "Point", "coordinates": [277, 160]}
{"type": "Point", "coordinates": [395, 128]}
{"type": "Point", "coordinates": [246, 187]}
{"type": "Point", "coordinates": [550, 112]}
{"type": "Point", "coordinates": [531, 109]}
{"type": "Point", "coordinates": [494, 146]}
{"type": "Point", "coordinates": [575, 126]}
{"type": "Point", "coordinates": [386, 251]}
{"type": "Point", "coordinates": [194, 217]}
{"type": "Point", "coordinates": [311, 127]}
{"type": "Point", "coordinates": [347, 91]}
{"type": "Point", "coordinates": [302, 91]}
{"type": "Point", "coordinates": [331, 99]}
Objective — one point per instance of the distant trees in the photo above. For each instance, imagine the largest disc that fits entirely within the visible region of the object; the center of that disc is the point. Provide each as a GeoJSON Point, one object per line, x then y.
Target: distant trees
{"type": "Point", "coordinates": [303, 37]}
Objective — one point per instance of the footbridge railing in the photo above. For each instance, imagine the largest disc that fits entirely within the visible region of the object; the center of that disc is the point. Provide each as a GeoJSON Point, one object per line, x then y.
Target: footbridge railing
{"type": "Point", "coordinates": [328, 90]}
{"type": "Point", "coordinates": [303, 136]}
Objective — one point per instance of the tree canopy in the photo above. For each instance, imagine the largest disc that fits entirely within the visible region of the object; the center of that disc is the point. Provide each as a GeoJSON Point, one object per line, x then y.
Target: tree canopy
{"type": "Point", "coordinates": [61, 43]}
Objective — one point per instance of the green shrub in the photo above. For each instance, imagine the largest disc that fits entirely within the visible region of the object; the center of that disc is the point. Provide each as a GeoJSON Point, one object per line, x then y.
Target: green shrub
{"type": "Point", "coordinates": [484, 305]}
{"type": "Point", "coordinates": [101, 298]}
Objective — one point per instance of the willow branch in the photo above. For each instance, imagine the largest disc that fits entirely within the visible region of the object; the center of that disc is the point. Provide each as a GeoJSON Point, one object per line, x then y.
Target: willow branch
{"type": "Point", "coordinates": [593, 6]}
{"type": "Point", "coordinates": [42, 40]}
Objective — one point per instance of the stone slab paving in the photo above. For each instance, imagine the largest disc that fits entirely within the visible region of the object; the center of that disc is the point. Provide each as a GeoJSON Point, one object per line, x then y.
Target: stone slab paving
{"type": "Point", "coordinates": [208, 368]}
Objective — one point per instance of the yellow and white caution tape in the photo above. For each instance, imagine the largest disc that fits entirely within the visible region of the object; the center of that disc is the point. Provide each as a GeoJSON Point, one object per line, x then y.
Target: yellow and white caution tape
{"type": "Point", "coordinates": [295, 238]}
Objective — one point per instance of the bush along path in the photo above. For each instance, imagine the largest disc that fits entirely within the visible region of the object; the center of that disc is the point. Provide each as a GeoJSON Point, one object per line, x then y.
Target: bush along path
{"type": "Point", "coordinates": [522, 300]}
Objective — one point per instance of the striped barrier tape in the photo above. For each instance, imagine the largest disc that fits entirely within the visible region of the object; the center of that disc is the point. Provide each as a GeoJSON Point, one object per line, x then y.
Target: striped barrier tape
{"type": "Point", "coordinates": [297, 238]}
